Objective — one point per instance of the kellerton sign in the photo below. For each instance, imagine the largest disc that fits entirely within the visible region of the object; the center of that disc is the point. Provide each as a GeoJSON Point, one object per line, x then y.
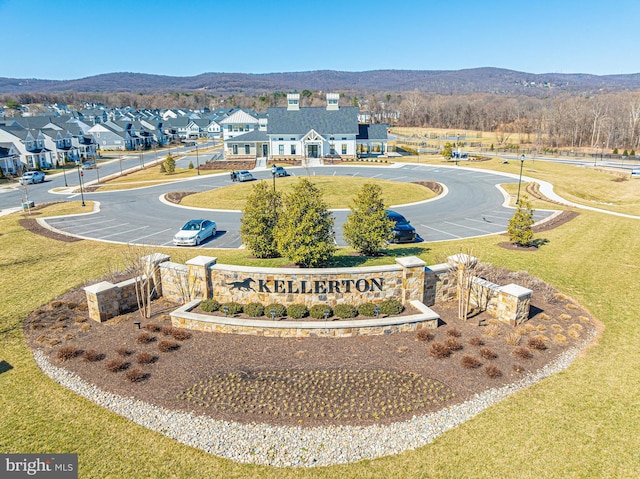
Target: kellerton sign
{"type": "Point", "coordinates": [328, 286]}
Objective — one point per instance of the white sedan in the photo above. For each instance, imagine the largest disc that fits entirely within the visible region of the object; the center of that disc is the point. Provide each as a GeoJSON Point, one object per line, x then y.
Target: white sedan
{"type": "Point", "coordinates": [31, 177]}
{"type": "Point", "coordinates": [195, 232]}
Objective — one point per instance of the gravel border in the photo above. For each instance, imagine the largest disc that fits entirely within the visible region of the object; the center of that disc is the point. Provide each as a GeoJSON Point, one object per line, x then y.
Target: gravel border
{"type": "Point", "coordinates": [285, 446]}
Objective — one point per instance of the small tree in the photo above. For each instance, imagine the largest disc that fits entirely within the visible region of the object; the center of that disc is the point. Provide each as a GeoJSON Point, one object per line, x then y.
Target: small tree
{"type": "Point", "coordinates": [447, 150]}
{"type": "Point", "coordinates": [304, 230]}
{"type": "Point", "coordinates": [632, 153]}
{"type": "Point", "coordinates": [170, 164]}
{"type": "Point", "coordinates": [615, 151]}
{"type": "Point", "coordinates": [368, 227]}
{"type": "Point", "coordinates": [625, 153]}
{"type": "Point", "coordinates": [259, 220]}
{"type": "Point", "coordinates": [520, 229]}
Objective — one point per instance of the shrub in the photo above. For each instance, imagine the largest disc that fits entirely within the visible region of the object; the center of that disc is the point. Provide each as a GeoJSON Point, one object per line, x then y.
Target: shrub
{"type": "Point", "coordinates": [492, 371]}
{"type": "Point", "coordinates": [513, 338]}
{"type": "Point", "coordinates": [439, 350]}
{"type": "Point", "coordinates": [453, 344]}
{"type": "Point", "coordinates": [91, 355]}
{"type": "Point", "coordinates": [454, 333]}
{"type": "Point", "coordinates": [209, 305]}
{"type": "Point", "coordinates": [317, 311]}
{"type": "Point", "coordinates": [391, 307]}
{"type": "Point", "coordinates": [279, 311]}
{"type": "Point", "coordinates": [345, 311]}
{"type": "Point", "coordinates": [85, 327]}
{"type": "Point", "coordinates": [145, 357]}
{"type": "Point", "coordinates": [165, 346]}
{"type": "Point", "coordinates": [153, 327]}
{"type": "Point", "coordinates": [67, 352]}
{"type": "Point", "coordinates": [180, 334]}
{"type": "Point", "coordinates": [544, 316]}
{"type": "Point", "coordinates": [254, 310]}
{"type": "Point", "coordinates": [135, 375]}
{"type": "Point", "coordinates": [116, 365]}
{"type": "Point", "coordinates": [470, 362]}
{"type": "Point", "coordinates": [145, 338]}
{"type": "Point", "coordinates": [574, 333]}
{"type": "Point", "coordinates": [537, 342]}
{"type": "Point", "coordinates": [476, 341]}
{"type": "Point", "coordinates": [488, 353]}
{"type": "Point", "coordinates": [367, 309]}
{"type": "Point", "coordinates": [493, 331]}
{"type": "Point", "coordinates": [560, 338]}
{"type": "Point", "coordinates": [230, 308]}
{"type": "Point", "coordinates": [297, 311]}
{"type": "Point", "coordinates": [122, 351]}
{"type": "Point", "coordinates": [522, 353]}
{"type": "Point", "coordinates": [424, 335]}
{"type": "Point", "coordinates": [167, 330]}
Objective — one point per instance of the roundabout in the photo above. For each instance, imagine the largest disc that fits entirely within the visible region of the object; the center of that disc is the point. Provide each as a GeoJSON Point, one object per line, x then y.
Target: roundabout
{"type": "Point", "coordinates": [471, 205]}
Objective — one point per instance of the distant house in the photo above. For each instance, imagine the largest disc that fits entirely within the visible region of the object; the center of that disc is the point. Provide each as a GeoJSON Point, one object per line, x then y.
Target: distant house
{"type": "Point", "coordinates": [238, 123]}
{"type": "Point", "coordinates": [10, 159]}
{"type": "Point", "coordinates": [302, 133]}
{"type": "Point", "coordinates": [30, 145]}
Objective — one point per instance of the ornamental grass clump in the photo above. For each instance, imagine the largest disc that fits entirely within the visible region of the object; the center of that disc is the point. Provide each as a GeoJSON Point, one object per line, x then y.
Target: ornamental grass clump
{"type": "Point", "coordinates": [470, 362]}
{"type": "Point", "coordinates": [116, 365]}
{"type": "Point", "coordinates": [476, 341]}
{"type": "Point", "coordinates": [297, 311]}
{"type": "Point", "coordinates": [488, 353]}
{"type": "Point", "coordinates": [135, 375]}
{"type": "Point", "coordinates": [492, 371]}
{"type": "Point", "coordinates": [91, 356]}
{"type": "Point", "coordinates": [180, 334]}
{"type": "Point", "coordinates": [513, 338]}
{"type": "Point", "coordinates": [145, 338]}
{"type": "Point", "coordinates": [209, 305]}
{"type": "Point", "coordinates": [424, 335]}
{"type": "Point", "coordinates": [522, 353]}
{"type": "Point", "coordinates": [167, 330]}
{"type": "Point", "coordinates": [153, 327]}
{"type": "Point", "coordinates": [538, 343]}
{"type": "Point", "coordinates": [439, 350]}
{"type": "Point", "coordinates": [454, 333]}
{"type": "Point", "coordinates": [453, 344]}
{"type": "Point", "coordinates": [166, 345]}
{"type": "Point", "coordinates": [254, 310]}
{"type": "Point", "coordinates": [123, 351]}
{"type": "Point", "coordinates": [145, 357]}
{"type": "Point", "coordinates": [345, 311]}
{"type": "Point", "coordinates": [67, 352]}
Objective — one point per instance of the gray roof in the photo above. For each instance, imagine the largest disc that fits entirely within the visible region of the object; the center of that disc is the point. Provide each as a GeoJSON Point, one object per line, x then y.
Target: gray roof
{"type": "Point", "coordinates": [376, 131]}
{"type": "Point", "coordinates": [252, 136]}
{"type": "Point", "coordinates": [343, 121]}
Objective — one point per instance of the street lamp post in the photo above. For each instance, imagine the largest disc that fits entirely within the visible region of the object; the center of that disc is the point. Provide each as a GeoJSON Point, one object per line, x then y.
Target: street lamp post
{"type": "Point", "coordinates": [197, 160]}
{"type": "Point", "coordinates": [80, 181]}
{"type": "Point", "coordinates": [520, 179]}
{"type": "Point", "coordinates": [273, 174]}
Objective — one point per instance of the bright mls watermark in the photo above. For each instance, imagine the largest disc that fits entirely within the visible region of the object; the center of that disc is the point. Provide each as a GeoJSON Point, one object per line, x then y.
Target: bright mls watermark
{"type": "Point", "coordinates": [49, 466]}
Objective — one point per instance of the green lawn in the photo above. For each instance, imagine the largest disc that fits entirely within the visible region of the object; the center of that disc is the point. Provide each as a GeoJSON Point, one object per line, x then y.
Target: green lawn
{"type": "Point", "coordinates": [581, 423]}
{"type": "Point", "coordinates": [337, 191]}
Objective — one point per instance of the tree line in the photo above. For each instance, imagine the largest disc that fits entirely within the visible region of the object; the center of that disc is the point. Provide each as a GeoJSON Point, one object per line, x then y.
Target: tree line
{"type": "Point", "coordinates": [605, 120]}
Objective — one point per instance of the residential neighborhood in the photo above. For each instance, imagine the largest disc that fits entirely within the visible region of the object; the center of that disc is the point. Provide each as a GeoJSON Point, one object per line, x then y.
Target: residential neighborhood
{"type": "Point", "coordinates": [62, 135]}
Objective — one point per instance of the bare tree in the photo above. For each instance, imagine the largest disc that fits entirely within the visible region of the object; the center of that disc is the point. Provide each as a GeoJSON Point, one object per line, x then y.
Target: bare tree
{"type": "Point", "coordinates": [464, 265]}
{"type": "Point", "coordinates": [143, 264]}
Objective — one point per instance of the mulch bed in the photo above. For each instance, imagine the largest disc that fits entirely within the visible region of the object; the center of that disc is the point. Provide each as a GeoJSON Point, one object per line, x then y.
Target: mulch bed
{"type": "Point", "coordinates": [170, 376]}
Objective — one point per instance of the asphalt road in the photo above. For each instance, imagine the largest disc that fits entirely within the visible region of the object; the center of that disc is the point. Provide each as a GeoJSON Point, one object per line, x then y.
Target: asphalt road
{"type": "Point", "coordinates": [471, 206]}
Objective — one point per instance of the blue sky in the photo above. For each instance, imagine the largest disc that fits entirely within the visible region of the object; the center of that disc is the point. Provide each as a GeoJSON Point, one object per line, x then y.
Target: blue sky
{"type": "Point", "coordinates": [67, 39]}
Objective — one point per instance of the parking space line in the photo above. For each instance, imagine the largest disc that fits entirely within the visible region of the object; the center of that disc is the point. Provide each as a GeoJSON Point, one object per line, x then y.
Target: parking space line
{"type": "Point", "coordinates": [106, 227]}
{"type": "Point", "coordinates": [470, 228]}
{"type": "Point", "coordinates": [117, 234]}
{"type": "Point", "coordinates": [152, 234]}
{"type": "Point", "coordinates": [440, 231]}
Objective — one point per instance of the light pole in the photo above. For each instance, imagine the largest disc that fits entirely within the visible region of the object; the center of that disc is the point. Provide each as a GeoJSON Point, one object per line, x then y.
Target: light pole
{"type": "Point", "coordinates": [64, 164]}
{"type": "Point", "coordinates": [197, 160]}
{"type": "Point", "coordinates": [520, 179]}
{"type": "Point", "coordinates": [601, 152]}
{"type": "Point", "coordinates": [80, 181]}
{"type": "Point", "coordinates": [273, 174]}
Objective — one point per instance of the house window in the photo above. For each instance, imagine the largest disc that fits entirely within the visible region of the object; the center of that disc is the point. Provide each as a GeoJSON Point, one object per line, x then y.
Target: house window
{"type": "Point", "coordinates": [281, 149]}
{"type": "Point", "coordinates": [344, 148]}
{"type": "Point", "coordinates": [235, 149]}
{"type": "Point", "coordinates": [332, 149]}
{"type": "Point", "coordinates": [247, 149]}
{"type": "Point", "coordinates": [293, 149]}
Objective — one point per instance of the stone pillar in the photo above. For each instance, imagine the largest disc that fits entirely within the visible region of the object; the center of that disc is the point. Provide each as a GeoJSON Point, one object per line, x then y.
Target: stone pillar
{"type": "Point", "coordinates": [199, 278]}
{"type": "Point", "coordinates": [103, 300]}
{"type": "Point", "coordinates": [412, 278]}
{"type": "Point", "coordinates": [513, 304]}
{"type": "Point", "coordinates": [152, 269]}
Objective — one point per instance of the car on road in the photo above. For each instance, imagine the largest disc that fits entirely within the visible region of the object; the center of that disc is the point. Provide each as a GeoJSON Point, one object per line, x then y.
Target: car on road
{"type": "Point", "coordinates": [244, 175]}
{"type": "Point", "coordinates": [403, 232]}
{"type": "Point", "coordinates": [195, 232]}
{"type": "Point", "coordinates": [279, 171]}
{"type": "Point", "coordinates": [31, 177]}
{"type": "Point", "coordinates": [89, 165]}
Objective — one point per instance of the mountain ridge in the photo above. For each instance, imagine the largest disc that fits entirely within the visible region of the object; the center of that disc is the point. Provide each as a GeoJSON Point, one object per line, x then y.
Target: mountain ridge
{"type": "Point", "coordinates": [472, 80]}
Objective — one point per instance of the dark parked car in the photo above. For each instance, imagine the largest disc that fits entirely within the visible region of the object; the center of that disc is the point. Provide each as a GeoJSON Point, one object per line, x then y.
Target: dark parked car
{"type": "Point", "coordinates": [403, 232]}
